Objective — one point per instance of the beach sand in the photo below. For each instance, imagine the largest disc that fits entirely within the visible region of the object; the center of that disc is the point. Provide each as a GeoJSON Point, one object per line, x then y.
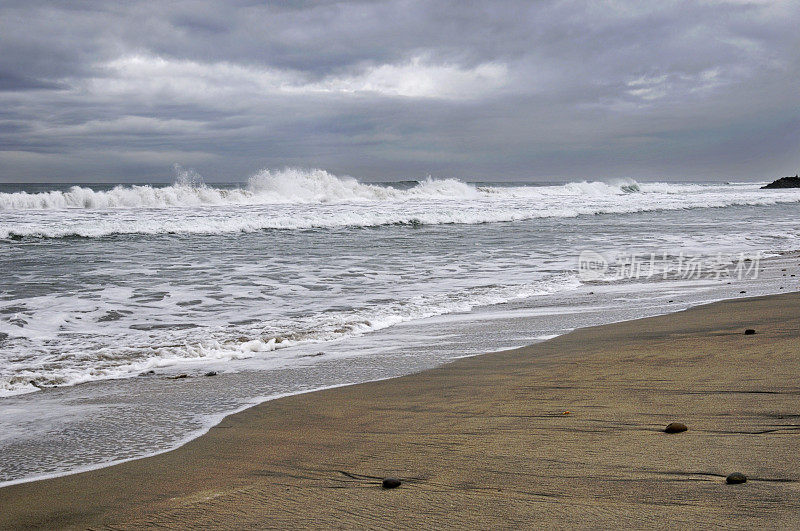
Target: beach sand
{"type": "Point", "coordinates": [487, 442]}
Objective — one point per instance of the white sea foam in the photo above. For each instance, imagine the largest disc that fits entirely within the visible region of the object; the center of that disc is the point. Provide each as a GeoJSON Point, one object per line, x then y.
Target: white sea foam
{"type": "Point", "coordinates": [100, 348]}
{"type": "Point", "coordinates": [88, 362]}
{"type": "Point", "coordinates": [301, 199]}
{"type": "Point", "coordinates": [266, 187]}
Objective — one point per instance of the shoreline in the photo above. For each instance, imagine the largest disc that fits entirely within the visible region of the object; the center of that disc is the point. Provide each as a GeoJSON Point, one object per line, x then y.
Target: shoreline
{"type": "Point", "coordinates": [218, 418]}
{"type": "Point", "coordinates": [194, 435]}
{"type": "Point", "coordinates": [75, 498]}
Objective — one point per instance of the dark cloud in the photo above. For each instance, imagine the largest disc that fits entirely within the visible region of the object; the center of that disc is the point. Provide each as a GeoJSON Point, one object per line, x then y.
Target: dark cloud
{"type": "Point", "coordinates": [93, 90]}
{"type": "Point", "coordinates": [11, 81]}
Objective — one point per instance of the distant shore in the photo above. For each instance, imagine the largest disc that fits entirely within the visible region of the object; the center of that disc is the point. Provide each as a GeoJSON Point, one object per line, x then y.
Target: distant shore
{"type": "Point", "coordinates": [565, 433]}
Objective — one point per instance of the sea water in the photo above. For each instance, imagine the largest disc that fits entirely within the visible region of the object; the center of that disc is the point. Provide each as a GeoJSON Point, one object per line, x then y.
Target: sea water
{"type": "Point", "coordinates": [298, 280]}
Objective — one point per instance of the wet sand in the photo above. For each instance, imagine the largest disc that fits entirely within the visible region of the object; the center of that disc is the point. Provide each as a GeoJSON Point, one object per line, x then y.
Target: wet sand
{"type": "Point", "coordinates": [565, 433]}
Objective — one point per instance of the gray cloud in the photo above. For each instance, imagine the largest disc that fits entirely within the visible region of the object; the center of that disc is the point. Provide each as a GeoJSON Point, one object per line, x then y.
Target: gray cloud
{"type": "Point", "coordinates": [399, 89]}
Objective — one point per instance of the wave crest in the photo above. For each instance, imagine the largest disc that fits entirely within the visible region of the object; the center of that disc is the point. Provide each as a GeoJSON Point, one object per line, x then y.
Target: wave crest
{"type": "Point", "coordinates": [294, 199]}
{"type": "Point", "coordinates": [287, 186]}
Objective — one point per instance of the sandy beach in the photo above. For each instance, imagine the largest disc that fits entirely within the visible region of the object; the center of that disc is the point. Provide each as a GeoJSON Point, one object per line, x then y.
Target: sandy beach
{"type": "Point", "coordinates": [565, 433]}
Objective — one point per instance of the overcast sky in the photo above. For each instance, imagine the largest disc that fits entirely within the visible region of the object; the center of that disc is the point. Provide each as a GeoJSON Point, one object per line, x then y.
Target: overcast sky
{"type": "Point", "coordinates": [537, 90]}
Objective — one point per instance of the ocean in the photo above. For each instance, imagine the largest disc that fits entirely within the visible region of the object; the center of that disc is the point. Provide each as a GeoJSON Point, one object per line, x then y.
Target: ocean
{"type": "Point", "coordinates": [134, 317]}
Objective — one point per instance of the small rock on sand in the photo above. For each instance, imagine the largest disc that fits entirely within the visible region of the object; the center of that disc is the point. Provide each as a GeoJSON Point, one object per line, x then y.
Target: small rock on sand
{"type": "Point", "coordinates": [211, 373]}
{"type": "Point", "coordinates": [675, 427]}
{"type": "Point", "coordinates": [736, 478]}
{"type": "Point", "coordinates": [391, 483]}
{"type": "Point", "coordinates": [749, 332]}
{"type": "Point", "coordinates": [179, 377]}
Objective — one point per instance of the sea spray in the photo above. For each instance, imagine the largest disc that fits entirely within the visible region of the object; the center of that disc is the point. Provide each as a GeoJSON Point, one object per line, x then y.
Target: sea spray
{"type": "Point", "coordinates": [287, 186]}
{"type": "Point", "coordinates": [294, 199]}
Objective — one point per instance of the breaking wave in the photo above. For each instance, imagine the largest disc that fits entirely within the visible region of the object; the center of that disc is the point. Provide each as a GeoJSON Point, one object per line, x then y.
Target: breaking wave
{"type": "Point", "coordinates": [309, 199]}
{"type": "Point", "coordinates": [289, 186]}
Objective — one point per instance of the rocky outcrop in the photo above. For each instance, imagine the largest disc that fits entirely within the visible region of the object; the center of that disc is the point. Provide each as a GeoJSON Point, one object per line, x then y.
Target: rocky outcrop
{"type": "Point", "coordinates": [784, 182]}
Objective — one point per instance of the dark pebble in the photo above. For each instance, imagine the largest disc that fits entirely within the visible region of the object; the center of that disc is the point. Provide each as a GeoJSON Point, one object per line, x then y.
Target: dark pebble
{"type": "Point", "coordinates": [675, 427]}
{"type": "Point", "coordinates": [211, 373]}
{"type": "Point", "coordinates": [749, 332]}
{"type": "Point", "coordinates": [743, 291]}
{"type": "Point", "coordinates": [391, 483]}
{"type": "Point", "coordinates": [736, 478]}
{"type": "Point", "coordinates": [180, 376]}
{"type": "Point", "coordinates": [3, 336]}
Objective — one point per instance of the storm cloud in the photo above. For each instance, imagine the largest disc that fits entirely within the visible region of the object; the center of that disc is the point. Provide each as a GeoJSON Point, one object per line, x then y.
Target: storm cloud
{"type": "Point", "coordinates": [106, 91]}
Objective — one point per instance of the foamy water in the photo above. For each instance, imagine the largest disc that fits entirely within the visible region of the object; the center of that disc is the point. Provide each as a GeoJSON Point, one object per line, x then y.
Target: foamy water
{"type": "Point", "coordinates": [295, 199]}
{"type": "Point", "coordinates": [301, 279]}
